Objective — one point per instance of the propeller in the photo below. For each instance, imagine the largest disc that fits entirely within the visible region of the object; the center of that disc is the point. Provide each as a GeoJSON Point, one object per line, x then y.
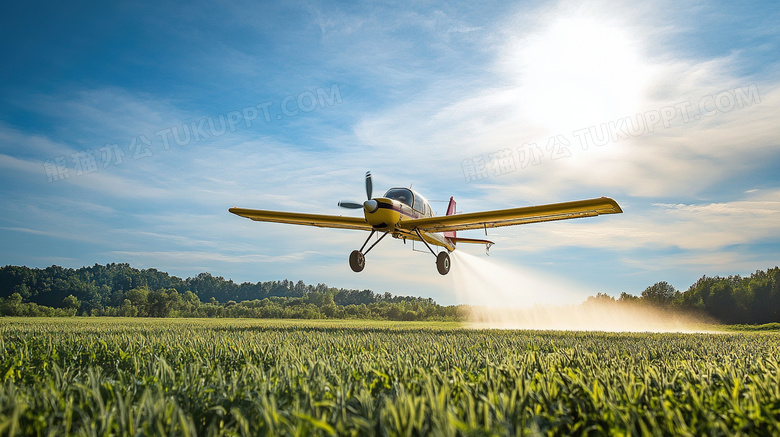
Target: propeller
{"type": "Point", "coordinates": [369, 190]}
{"type": "Point", "coordinates": [369, 186]}
{"type": "Point", "coordinates": [350, 205]}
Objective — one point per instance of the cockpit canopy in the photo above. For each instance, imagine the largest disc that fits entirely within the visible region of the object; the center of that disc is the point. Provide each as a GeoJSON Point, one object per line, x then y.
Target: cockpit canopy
{"type": "Point", "coordinates": [410, 198]}
{"type": "Point", "coordinates": [403, 195]}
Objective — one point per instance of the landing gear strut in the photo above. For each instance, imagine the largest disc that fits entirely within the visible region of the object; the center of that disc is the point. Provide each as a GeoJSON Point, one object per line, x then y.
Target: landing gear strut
{"type": "Point", "coordinates": [442, 258]}
{"type": "Point", "coordinates": [357, 259]}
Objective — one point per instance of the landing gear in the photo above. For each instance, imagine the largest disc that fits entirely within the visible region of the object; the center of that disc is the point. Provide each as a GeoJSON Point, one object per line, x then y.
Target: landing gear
{"type": "Point", "coordinates": [357, 261]}
{"type": "Point", "coordinates": [443, 263]}
{"type": "Point", "coordinates": [442, 259]}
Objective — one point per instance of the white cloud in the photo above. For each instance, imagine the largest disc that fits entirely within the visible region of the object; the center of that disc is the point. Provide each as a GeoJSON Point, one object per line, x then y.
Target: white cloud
{"type": "Point", "coordinates": [204, 258]}
{"type": "Point", "coordinates": [695, 227]}
{"type": "Point", "coordinates": [26, 166]}
{"type": "Point", "coordinates": [82, 115]}
{"type": "Point", "coordinates": [13, 141]}
{"type": "Point", "coordinates": [538, 97]}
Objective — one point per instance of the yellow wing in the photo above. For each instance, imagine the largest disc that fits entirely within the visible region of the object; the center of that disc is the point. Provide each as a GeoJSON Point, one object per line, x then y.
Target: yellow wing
{"type": "Point", "coordinates": [515, 216]}
{"type": "Point", "coordinates": [319, 220]}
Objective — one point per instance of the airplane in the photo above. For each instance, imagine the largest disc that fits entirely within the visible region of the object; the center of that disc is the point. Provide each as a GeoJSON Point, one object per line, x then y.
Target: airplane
{"type": "Point", "coordinates": [405, 214]}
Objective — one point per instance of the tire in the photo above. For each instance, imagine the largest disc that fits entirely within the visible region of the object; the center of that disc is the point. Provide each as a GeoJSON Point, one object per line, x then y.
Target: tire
{"type": "Point", "coordinates": [357, 261]}
{"type": "Point", "coordinates": [443, 263]}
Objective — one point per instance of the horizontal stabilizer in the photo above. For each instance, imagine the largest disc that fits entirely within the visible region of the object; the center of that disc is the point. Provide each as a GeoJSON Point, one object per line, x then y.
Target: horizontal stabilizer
{"type": "Point", "coordinates": [471, 240]}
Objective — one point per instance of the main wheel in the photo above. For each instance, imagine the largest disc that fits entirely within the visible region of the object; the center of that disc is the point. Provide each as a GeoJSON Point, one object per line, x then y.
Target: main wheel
{"type": "Point", "coordinates": [443, 263]}
{"type": "Point", "coordinates": [357, 261]}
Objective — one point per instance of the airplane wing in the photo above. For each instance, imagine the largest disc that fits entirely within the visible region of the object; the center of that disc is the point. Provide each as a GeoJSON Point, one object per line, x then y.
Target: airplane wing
{"type": "Point", "coordinates": [319, 220]}
{"type": "Point", "coordinates": [515, 216]}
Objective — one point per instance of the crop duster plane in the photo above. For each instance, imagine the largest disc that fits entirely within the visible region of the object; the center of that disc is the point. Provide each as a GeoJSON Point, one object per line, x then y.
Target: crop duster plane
{"type": "Point", "coordinates": [405, 214]}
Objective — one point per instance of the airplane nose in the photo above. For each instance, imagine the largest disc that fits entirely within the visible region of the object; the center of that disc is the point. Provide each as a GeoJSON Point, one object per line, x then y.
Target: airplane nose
{"type": "Point", "coordinates": [370, 205]}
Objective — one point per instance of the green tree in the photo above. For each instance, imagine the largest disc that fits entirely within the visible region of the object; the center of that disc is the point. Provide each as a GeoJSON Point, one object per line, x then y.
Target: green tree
{"type": "Point", "coordinates": [626, 297]}
{"type": "Point", "coordinates": [161, 302]}
{"type": "Point", "coordinates": [138, 298]}
{"type": "Point", "coordinates": [599, 298]}
{"type": "Point", "coordinates": [12, 305]}
{"type": "Point", "coordinates": [660, 294]}
{"type": "Point", "coordinates": [71, 302]}
{"type": "Point", "coordinates": [128, 309]}
{"type": "Point", "coordinates": [23, 290]}
{"type": "Point", "coordinates": [319, 298]}
{"type": "Point", "coordinates": [721, 303]}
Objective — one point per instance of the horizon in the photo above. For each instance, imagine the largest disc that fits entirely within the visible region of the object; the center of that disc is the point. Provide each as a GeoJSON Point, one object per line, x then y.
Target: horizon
{"type": "Point", "coordinates": [309, 284]}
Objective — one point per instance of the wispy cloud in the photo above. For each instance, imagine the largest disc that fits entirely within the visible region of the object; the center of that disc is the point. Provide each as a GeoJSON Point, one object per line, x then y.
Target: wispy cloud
{"type": "Point", "coordinates": [707, 226]}
{"type": "Point", "coordinates": [681, 156]}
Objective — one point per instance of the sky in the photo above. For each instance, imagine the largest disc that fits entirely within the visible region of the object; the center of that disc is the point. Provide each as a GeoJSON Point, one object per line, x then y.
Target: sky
{"type": "Point", "coordinates": [127, 130]}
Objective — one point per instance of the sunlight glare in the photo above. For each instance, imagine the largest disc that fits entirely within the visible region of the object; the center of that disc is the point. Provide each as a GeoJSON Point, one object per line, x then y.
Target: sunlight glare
{"type": "Point", "coordinates": [578, 72]}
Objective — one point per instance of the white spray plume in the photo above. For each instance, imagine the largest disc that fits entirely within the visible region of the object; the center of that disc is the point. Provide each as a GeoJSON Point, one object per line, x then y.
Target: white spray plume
{"type": "Point", "coordinates": [507, 297]}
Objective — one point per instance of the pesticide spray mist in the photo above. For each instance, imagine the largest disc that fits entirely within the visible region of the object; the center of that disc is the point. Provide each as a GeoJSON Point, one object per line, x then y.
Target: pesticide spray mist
{"type": "Point", "coordinates": [514, 298]}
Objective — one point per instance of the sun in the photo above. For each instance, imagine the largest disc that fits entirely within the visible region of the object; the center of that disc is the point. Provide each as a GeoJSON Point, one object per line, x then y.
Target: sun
{"type": "Point", "coordinates": [578, 72]}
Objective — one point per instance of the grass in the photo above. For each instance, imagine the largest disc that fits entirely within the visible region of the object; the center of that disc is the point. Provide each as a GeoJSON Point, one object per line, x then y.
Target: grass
{"type": "Point", "coordinates": [765, 327]}
{"type": "Point", "coordinates": [105, 376]}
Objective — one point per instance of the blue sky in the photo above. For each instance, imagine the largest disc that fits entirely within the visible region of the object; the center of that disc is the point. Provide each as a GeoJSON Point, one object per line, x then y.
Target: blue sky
{"type": "Point", "coordinates": [127, 131]}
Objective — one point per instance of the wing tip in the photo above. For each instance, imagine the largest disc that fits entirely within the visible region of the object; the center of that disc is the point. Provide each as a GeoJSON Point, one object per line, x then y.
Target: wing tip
{"type": "Point", "coordinates": [616, 209]}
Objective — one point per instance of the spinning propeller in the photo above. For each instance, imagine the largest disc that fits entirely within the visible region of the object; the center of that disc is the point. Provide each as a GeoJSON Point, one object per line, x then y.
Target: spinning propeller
{"type": "Point", "coordinates": [355, 205]}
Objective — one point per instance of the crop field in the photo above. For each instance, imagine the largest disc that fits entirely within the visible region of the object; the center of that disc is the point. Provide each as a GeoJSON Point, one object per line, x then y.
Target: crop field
{"type": "Point", "coordinates": [255, 377]}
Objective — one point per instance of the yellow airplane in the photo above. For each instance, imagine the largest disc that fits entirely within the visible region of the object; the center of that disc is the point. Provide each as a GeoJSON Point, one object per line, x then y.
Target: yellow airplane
{"type": "Point", "coordinates": [405, 214]}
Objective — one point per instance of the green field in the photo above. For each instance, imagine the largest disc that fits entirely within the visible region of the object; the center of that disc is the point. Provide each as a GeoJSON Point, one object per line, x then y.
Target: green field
{"type": "Point", "coordinates": [254, 377]}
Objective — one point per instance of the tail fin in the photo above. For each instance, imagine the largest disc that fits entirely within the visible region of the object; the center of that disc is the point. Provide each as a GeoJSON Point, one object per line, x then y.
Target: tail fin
{"type": "Point", "coordinates": [450, 211]}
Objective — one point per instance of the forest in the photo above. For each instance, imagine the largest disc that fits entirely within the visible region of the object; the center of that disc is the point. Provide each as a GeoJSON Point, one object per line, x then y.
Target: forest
{"type": "Point", "coordinates": [121, 290]}
{"type": "Point", "coordinates": [732, 300]}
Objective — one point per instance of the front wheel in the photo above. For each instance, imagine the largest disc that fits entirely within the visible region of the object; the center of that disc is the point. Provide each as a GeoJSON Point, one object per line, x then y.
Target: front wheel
{"type": "Point", "coordinates": [443, 263]}
{"type": "Point", "coordinates": [357, 261]}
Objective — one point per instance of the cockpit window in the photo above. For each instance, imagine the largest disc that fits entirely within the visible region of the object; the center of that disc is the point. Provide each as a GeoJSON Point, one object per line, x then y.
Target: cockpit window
{"type": "Point", "coordinates": [418, 203]}
{"type": "Point", "coordinates": [400, 194]}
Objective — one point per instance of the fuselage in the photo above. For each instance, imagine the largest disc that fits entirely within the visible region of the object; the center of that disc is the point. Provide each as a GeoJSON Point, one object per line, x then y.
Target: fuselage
{"type": "Point", "coordinates": [385, 214]}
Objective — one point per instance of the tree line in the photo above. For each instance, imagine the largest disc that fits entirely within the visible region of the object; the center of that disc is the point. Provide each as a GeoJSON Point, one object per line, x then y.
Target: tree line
{"type": "Point", "coordinates": [733, 300]}
{"type": "Point", "coordinates": [120, 290]}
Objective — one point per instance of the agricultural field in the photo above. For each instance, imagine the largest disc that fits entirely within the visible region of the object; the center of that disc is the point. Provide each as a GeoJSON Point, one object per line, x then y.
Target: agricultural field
{"type": "Point", "coordinates": [113, 376]}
